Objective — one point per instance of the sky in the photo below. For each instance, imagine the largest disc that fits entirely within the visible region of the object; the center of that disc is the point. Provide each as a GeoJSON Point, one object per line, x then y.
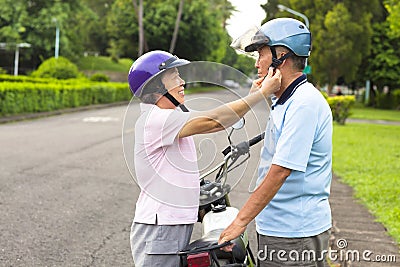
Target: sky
{"type": "Point", "coordinates": [249, 14]}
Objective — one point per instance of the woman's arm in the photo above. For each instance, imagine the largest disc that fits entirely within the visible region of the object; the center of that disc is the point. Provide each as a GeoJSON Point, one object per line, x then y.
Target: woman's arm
{"type": "Point", "coordinates": [225, 115]}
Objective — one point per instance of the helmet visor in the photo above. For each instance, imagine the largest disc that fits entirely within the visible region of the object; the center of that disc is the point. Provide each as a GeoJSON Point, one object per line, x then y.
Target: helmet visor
{"type": "Point", "coordinates": [173, 62]}
{"type": "Point", "coordinates": [250, 41]}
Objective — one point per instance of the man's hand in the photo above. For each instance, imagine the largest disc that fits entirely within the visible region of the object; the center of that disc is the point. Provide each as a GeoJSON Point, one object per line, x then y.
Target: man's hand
{"type": "Point", "coordinates": [230, 233]}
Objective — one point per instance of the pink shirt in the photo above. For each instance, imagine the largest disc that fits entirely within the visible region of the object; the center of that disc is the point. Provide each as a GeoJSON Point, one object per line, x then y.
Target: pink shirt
{"type": "Point", "coordinates": [166, 168]}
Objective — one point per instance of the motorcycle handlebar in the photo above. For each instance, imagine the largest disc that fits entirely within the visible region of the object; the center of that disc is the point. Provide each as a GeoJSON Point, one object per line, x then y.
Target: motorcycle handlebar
{"type": "Point", "coordinates": [256, 139]}
{"type": "Point", "coordinates": [244, 144]}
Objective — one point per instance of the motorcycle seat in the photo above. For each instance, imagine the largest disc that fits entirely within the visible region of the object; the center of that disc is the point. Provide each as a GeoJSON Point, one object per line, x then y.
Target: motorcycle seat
{"type": "Point", "coordinates": [211, 238]}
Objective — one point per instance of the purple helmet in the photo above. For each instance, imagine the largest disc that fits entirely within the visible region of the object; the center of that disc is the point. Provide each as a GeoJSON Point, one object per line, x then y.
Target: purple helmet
{"type": "Point", "coordinates": [150, 65]}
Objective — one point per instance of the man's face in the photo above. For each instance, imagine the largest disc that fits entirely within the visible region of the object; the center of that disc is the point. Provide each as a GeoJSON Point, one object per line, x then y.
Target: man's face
{"type": "Point", "coordinates": [264, 61]}
{"type": "Point", "coordinates": [174, 84]}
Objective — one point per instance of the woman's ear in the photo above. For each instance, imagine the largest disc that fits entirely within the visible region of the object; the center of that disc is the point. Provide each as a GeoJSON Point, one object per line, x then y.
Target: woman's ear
{"type": "Point", "coordinates": [151, 98]}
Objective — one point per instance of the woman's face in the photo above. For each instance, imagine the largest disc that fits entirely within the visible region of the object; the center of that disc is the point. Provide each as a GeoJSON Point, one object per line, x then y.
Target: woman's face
{"type": "Point", "coordinates": [174, 84]}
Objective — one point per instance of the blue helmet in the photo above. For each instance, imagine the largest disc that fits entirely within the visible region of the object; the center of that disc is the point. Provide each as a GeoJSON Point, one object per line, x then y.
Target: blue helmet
{"type": "Point", "coordinates": [287, 32]}
{"type": "Point", "coordinates": [150, 65]}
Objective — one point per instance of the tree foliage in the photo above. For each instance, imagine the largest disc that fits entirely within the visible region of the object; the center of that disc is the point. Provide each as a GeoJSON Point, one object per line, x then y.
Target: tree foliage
{"type": "Point", "coordinates": [338, 52]}
{"type": "Point", "coordinates": [384, 69]}
{"type": "Point", "coordinates": [353, 40]}
{"type": "Point", "coordinates": [343, 34]}
{"type": "Point", "coordinates": [201, 34]}
{"type": "Point", "coordinates": [35, 22]}
{"type": "Point", "coordinates": [393, 8]}
{"type": "Point", "coordinates": [111, 27]}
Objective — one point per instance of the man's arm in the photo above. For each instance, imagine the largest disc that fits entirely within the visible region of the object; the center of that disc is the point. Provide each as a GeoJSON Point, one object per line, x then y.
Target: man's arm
{"type": "Point", "coordinates": [260, 198]}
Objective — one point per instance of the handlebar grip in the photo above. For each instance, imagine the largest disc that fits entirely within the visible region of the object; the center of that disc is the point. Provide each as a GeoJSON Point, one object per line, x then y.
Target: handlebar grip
{"type": "Point", "coordinates": [256, 139]}
{"type": "Point", "coordinates": [251, 142]}
{"type": "Point", "coordinates": [226, 150]}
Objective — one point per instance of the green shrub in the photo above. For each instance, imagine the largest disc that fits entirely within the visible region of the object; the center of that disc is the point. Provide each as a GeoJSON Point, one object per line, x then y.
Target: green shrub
{"type": "Point", "coordinates": [59, 68]}
{"type": "Point", "coordinates": [17, 98]}
{"type": "Point", "coordinates": [340, 106]}
{"type": "Point", "coordinates": [396, 99]}
{"type": "Point", "coordinates": [2, 71]}
{"type": "Point", "coordinates": [99, 77]}
{"type": "Point", "coordinates": [383, 101]}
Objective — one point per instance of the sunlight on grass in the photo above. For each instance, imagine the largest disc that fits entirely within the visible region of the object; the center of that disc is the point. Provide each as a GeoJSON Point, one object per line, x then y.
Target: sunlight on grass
{"type": "Point", "coordinates": [375, 114]}
{"type": "Point", "coordinates": [367, 157]}
{"type": "Point", "coordinates": [104, 64]}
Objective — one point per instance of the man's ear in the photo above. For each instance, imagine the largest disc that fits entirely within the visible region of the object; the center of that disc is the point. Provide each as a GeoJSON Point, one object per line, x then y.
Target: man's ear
{"type": "Point", "coordinates": [285, 61]}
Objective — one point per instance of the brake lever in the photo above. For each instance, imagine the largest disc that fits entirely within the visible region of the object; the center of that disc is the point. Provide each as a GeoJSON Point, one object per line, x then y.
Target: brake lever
{"type": "Point", "coordinates": [240, 149]}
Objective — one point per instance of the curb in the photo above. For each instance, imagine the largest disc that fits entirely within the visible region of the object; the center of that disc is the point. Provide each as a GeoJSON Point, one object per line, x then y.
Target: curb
{"type": "Point", "coordinates": [383, 122]}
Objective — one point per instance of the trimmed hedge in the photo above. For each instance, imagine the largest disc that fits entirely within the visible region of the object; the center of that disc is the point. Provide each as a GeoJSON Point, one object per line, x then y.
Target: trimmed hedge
{"type": "Point", "coordinates": [30, 79]}
{"type": "Point", "coordinates": [24, 79]}
{"type": "Point", "coordinates": [340, 106]}
{"type": "Point", "coordinates": [17, 98]}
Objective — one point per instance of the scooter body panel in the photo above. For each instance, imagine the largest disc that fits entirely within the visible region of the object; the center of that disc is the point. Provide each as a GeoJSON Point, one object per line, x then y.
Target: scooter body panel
{"type": "Point", "coordinates": [218, 220]}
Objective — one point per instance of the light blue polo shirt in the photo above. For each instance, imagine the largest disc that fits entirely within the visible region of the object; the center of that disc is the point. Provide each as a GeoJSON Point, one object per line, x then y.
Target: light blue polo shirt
{"type": "Point", "coordinates": [298, 137]}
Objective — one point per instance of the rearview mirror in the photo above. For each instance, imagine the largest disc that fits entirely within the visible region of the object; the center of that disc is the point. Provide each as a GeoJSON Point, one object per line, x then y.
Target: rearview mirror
{"type": "Point", "coordinates": [239, 124]}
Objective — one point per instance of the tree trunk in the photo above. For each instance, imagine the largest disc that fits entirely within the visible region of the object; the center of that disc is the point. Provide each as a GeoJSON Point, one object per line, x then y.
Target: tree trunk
{"type": "Point", "coordinates": [145, 46]}
{"type": "Point", "coordinates": [330, 89]}
{"type": "Point", "coordinates": [141, 31]}
{"type": "Point", "coordinates": [176, 30]}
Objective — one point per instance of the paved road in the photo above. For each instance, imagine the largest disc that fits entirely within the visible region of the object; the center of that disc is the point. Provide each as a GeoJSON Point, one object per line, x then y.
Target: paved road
{"type": "Point", "coordinates": [66, 195]}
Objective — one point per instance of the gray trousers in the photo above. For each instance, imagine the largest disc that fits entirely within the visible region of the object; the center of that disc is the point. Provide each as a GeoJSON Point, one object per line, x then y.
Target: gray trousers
{"type": "Point", "coordinates": [279, 251]}
{"type": "Point", "coordinates": [157, 245]}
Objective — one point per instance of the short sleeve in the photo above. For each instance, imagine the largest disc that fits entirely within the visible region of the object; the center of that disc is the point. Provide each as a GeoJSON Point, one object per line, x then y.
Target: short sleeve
{"type": "Point", "coordinates": [162, 126]}
{"type": "Point", "coordinates": [295, 142]}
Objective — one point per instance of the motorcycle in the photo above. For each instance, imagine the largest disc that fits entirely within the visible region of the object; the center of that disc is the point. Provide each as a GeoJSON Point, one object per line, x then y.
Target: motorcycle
{"type": "Point", "coordinates": [216, 213]}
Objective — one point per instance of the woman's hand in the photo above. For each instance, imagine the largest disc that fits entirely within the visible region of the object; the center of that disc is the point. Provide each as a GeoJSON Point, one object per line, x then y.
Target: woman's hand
{"type": "Point", "coordinates": [269, 84]}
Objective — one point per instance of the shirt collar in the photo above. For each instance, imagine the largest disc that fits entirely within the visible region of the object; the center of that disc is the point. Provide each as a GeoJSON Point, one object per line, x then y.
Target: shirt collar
{"type": "Point", "coordinates": [290, 90]}
{"type": "Point", "coordinates": [146, 107]}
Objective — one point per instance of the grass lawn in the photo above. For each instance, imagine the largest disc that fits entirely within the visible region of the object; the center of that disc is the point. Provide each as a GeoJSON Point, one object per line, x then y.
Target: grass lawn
{"type": "Point", "coordinates": [104, 64]}
{"type": "Point", "coordinates": [367, 157]}
{"type": "Point", "coordinates": [375, 114]}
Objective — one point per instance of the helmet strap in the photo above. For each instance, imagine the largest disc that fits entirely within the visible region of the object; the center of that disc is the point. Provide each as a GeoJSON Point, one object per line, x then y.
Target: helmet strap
{"type": "Point", "coordinates": [175, 102]}
{"type": "Point", "coordinates": [278, 61]}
